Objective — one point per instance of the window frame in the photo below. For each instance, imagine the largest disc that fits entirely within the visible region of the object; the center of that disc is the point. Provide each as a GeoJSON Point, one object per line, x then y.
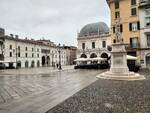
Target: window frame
{"type": "Point", "coordinates": [133, 2]}
{"type": "Point", "coordinates": [93, 45]}
{"type": "Point", "coordinates": [132, 11]}
{"type": "Point", "coordinates": [117, 4]}
{"type": "Point", "coordinates": [132, 44]}
{"type": "Point", "coordinates": [83, 45]}
{"type": "Point", "coordinates": [103, 44]}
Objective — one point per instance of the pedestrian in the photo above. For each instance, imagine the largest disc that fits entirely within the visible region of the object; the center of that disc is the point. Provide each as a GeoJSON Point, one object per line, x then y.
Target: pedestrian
{"type": "Point", "coordinates": [57, 65]}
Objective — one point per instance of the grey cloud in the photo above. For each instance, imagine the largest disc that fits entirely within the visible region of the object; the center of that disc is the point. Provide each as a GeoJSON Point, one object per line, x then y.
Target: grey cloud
{"type": "Point", "coordinates": [57, 20]}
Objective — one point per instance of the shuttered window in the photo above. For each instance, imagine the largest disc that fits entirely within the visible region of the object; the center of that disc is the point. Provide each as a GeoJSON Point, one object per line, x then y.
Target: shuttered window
{"type": "Point", "coordinates": [133, 11]}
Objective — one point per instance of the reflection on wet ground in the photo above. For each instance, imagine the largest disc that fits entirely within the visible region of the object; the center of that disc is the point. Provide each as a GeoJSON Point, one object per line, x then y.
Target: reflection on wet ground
{"type": "Point", "coordinates": [37, 92]}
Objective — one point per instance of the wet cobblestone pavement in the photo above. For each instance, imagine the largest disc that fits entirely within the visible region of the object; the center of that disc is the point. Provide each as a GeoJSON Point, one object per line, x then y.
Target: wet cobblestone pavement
{"type": "Point", "coordinates": [106, 96]}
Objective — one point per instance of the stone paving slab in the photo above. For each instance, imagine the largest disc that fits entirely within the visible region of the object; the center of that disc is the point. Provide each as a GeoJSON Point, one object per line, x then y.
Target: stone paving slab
{"type": "Point", "coordinates": [109, 96]}
{"type": "Point", "coordinates": [40, 92]}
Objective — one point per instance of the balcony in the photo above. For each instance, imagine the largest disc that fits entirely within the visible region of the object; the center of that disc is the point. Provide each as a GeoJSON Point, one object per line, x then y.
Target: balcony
{"type": "Point", "coordinates": [144, 3]}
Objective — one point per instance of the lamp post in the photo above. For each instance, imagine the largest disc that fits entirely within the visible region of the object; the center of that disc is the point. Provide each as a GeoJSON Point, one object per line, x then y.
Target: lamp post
{"type": "Point", "coordinates": [59, 51]}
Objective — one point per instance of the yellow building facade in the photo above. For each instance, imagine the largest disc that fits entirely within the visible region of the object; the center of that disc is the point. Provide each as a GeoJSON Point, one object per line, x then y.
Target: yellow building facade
{"type": "Point", "coordinates": [127, 12]}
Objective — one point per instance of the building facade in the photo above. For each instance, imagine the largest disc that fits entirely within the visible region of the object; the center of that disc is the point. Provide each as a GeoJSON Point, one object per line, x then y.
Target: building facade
{"type": "Point", "coordinates": [127, 12]}
{"type": "Point", "coordinates": [134, 16]}
{"type": "Point", "coordinates": [93, 41]}
{"type": "Point", "coordinates": [144, 15]}
{"type": "Point", "coordinates": [25, 53]}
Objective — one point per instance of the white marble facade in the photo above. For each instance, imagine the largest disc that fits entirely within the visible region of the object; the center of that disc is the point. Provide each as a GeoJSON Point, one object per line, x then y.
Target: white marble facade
{"type": "Point", "coordinates": [30, 53]}
{"type": "Point", "coordinates": [95, 38]}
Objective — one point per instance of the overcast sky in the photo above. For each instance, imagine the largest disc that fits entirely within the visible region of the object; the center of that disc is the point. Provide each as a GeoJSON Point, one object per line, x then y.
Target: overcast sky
{"type": "Point", "coordinates": [57, 20]}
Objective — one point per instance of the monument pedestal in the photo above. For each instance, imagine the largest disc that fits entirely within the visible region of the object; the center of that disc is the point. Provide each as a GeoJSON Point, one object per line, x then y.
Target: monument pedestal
{"type": "Point", "coordinates": [119, 69]}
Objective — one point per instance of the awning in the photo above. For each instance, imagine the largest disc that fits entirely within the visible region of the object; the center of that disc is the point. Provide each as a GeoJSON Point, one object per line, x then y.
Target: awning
{"type": "Point", "coordinates": [129, 57]}
{"type": "Point", "coordinates": [81, 59]}
{"type": "Point", "coordinates": [98, 59]}
{"type": "Point", "coordinates": [90, 59]}
{"type": "Point", "coordinates": [6, 61]}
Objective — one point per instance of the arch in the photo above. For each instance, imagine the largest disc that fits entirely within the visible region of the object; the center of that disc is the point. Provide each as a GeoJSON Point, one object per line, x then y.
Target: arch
{"type": "Point", "coordinates": [48, 60]}
{"type": "Point", "coordinates": [104, 55]}
{"type": "Point", "coordinates": [83, 56]}
{"type": "Point", "coordinates": [32, 63]}
{"type": "Point", "coordinates": [43, 60]}
{"type": "Point", "coordinates": [26, 64]}
{"type": "Point", "coordinates": [148, 60]}
{"type": "Point", "coordinates": [19, 64]}
{"type": "Point", "coordinates": [93, 55]}
{"type": "Point", "coordinates": [38, 63]}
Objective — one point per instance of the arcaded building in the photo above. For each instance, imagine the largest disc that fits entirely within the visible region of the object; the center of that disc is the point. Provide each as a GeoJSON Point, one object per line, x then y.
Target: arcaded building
{"type": "Point", "coordinates": [28, 53]}
{"type": "Point", "coordinates": [93, 41]}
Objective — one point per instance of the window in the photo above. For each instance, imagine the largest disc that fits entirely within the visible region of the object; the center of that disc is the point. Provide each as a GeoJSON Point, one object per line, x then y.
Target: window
{"type": "Point", "coordinates": [10, 54]}
{"type": "Point", "coordinates": [83, 45]}
{"type": "Point", "coordinates": [117, 14]}
{"type": "Point", "coordinates": [147, 20]}
{"type": "Point", "coordinates": [38, 50]}
{"type": "Point", "coordinates": [19, 54]}
{"type": "Point", "coordinates": [133, 12]}
{"type": "Point", "coordinates": [148, 39]}
{"type": "Point", "coordinates": [18, 48]}
{"type": "Point", "coordinates": [133, 2]}
{"type": "Point", "coordinates": [93, 45]}
{"type": "Point", "coordinates": [147, 11]}
{"type": "Point", "coordinates": [26, 49]}
{"type": "Point", "coordinates": [10, 47]}
{"type": "Point", "coordinates": [32, 49]}
{"type": "Point", "coordinates": [116, 4]}
{"type": "Point", "coordinates": [38, 55]}
{"type": "Point", "coordinates": [134, 42]}
{"type": "Point", "coordinates": [32, 55]}
{"type": "Point", "coordinates": [134, 26]}
{"type": "Point", "coordinates": [104, 44]}
{"type": "Point", "coordinates": [26, 55]}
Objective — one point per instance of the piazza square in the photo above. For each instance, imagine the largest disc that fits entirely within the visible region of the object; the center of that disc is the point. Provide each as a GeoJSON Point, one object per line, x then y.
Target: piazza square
{"type": "Point", "coordinates": [75, 56]}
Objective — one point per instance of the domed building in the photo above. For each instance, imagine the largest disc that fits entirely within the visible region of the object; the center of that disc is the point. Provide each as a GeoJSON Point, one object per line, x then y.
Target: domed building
{"type": "Point", "coordinates": [93, 40]}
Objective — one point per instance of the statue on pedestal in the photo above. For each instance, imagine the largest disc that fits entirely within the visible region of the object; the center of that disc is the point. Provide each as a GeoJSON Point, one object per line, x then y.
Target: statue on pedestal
{"type": "Point", "coordinates": [118, 37]}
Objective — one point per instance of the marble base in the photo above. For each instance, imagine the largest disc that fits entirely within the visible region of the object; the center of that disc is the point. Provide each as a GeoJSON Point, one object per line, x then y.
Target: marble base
{"type": "Point", "coordinates": [131, 76]}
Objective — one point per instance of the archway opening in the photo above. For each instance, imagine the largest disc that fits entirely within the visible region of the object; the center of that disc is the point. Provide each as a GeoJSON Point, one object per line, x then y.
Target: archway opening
{"type": "Point", "coordinates": [32, 64]}
{"type": "Point", "coordinates": [43, 60]}
{"type": "Point", "coordinates": [38, 63]}
{"type": "Point", "coordinates": [83, 56]}
{"type": "Point", "coordinates": [19, 64]}
{"type": "Point", "coordinates": [26, 64]}
{"type": "Point", "coordinates": [104, 55]}
{"type": "Point", "coordinates": [93, 55]}
{"type": "Point", "coordinates": [48, 60]}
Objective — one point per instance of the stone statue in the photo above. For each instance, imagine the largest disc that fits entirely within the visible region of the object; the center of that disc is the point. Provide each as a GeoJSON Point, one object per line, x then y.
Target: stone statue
{"type": "Point", "coordinates": [118, 33]}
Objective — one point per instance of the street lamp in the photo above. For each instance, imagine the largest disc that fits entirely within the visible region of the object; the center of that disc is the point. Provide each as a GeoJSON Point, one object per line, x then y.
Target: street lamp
{"type": "Point", "coordinates": [59, 51]}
